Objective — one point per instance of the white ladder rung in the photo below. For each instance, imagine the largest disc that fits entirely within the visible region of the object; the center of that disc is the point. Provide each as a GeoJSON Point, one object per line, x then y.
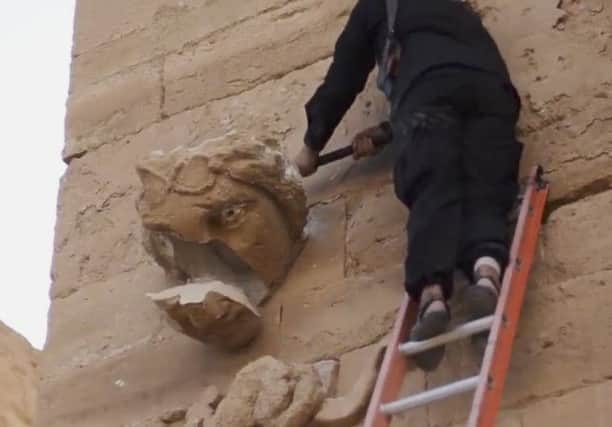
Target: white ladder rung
{"type": "Point", "coordinates": [467, 329]}
{"type": "Point", "coordinates": [430, 396]}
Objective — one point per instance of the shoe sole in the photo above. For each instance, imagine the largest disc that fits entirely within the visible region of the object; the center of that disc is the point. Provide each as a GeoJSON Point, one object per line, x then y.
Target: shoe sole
{"type": "Point", "coordinates": [480, 302]}
{"type": "Point", "coordinates": [429, 326]}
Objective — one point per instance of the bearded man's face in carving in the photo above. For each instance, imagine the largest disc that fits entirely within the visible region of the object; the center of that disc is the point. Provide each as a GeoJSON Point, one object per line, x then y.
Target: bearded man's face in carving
{"type": "Point", "coordinates": [197, 197]}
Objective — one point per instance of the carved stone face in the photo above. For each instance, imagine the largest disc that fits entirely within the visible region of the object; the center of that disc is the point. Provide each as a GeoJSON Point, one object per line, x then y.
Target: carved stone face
{"type": "Point", "coordinates": [238, 195]}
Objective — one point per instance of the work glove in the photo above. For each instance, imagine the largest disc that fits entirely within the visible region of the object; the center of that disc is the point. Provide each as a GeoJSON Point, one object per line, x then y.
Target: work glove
{"type": "Point", "coordinates": [371, 140]}
{"type": "Point", "coordinates": [307, 161]}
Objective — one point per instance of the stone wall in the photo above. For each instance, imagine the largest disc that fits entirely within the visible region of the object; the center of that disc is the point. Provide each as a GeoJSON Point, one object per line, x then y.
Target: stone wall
{"type": "Point", "coordinates": [18, 380]}
{"type": "Point", "coordinates": [149, 74]}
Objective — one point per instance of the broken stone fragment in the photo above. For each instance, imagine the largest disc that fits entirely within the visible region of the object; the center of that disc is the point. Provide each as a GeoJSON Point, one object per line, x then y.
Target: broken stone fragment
{"type": "Point", "coordinates": [271, 393]}
{"type": "Point", "coordinates": [211, 312]}
{"type": "Point", "coordinates": [239, 194]}
{"type": "Point", "coordinates": [204, 407]}
{"type": "Point", "coordinates": [268, 392]}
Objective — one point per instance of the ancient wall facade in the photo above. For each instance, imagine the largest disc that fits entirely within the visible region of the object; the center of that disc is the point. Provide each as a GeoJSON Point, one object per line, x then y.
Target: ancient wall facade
{"type": "Point", "coordinates": [154, 74]}
{"type": "Point", "coordinates": [18, 380]}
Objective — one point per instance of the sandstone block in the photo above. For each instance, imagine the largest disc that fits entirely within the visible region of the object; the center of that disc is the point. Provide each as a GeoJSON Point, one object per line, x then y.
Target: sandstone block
{"type": "Point", "coordinates": [162, 27]}
{"type": "Point", "coordinates": [96, 25]}
{"type": "Point", "coordinates": [100, 237]}
{"type": "Point", "coordinates": [275, 44]}
{"type": "Point", "coordinates": [104, 319]}
{"type": "Point", "coordinates": [575, 241]}
{"type": "Point", "coordinates": [376, 234]}
{"type": "Point", "coordinates": [106, 111]}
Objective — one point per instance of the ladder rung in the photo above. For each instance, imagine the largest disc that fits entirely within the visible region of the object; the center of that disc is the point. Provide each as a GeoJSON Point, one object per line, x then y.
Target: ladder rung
{"type": "Point", "coordinates": [430, 396]}
{"type": "Point", "coordinates": [467, 329]}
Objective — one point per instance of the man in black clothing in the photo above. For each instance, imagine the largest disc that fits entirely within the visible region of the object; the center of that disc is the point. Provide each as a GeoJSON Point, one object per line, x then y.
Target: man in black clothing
{"type": "Point", "coordinates": [453, 112]}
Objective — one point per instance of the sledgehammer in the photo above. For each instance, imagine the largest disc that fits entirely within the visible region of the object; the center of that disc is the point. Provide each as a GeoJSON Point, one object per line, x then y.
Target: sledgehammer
{"type": "Point", "coordinates": [381, 136]}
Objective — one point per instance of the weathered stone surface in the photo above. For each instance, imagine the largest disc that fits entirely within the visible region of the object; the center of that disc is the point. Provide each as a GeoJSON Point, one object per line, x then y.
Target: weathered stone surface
{"type": "Point", "coordinates": [93, 244]}
{"type": "Point", "coordinates": [167, 371]}
{"type": "Point", "coordinates": [560, 60]}
{"type": "Point", "coordinates": [269, 392]}
{"type": "Point", "coordinates": [18, 380]}
{"type": "Point", "coordinates": [589, 406]}
{"type": "Point", "coordinates": [575, 240]}
{"type": "Point", "coordinates": [107, 111]}
{"type": "Point", "coordinates": [95, 25]}
{"type": "Point", "coordinates": [264, 48]}
{"type": "Point", "coordinates": [108, 320]}
{"type": "Point", "coordinates": [164, 27]}
{"type": "Point", "coordinates": [376, 240]}
{"type": "Point", "coordinates": [211, 312]}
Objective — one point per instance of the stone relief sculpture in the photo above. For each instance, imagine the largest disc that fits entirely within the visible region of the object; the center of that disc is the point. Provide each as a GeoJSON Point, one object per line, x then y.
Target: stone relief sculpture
{"type": "Point", "coordinates": [225, 221]}
{"type": "Point", "coordinates": [270, 393]}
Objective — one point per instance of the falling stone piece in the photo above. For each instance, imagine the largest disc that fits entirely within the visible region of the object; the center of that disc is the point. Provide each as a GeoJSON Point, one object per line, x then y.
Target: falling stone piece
{"type": "Point", "coordinates": [240, 193]}
{"type": "Point", "coordinates": [211, 312]}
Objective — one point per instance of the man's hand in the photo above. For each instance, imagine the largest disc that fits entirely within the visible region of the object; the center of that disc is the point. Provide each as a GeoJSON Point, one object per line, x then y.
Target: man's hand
{"type": "Point", "coordinates": [370, 141]}
{"type": "Point", "coordinates": [307, 161]}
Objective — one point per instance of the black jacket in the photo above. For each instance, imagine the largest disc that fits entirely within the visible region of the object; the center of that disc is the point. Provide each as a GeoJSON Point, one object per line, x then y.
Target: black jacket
{"type": "Point", "coordinates": [432, 34]}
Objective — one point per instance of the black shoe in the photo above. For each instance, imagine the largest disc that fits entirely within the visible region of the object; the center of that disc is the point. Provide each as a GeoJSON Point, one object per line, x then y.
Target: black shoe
{"type": "Point", "coordinates": [429, 325]}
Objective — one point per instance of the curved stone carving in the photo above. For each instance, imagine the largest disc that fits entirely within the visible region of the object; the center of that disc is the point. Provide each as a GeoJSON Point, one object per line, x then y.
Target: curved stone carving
{"type": "Point", "coordinates": [243, 195]}
{"type": "Point", "coordinates": [226, 218]}
{"type": "Point", "coordinates": [270, 393]}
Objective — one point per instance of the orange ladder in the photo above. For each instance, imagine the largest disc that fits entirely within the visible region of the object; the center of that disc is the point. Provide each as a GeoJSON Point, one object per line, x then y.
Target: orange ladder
{"type": "Point", "coordinates": [489, 383]}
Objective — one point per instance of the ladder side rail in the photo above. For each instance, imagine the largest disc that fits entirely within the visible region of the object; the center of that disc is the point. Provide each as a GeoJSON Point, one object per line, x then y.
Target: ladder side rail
{"type": "Point", "coordinates": [496, 361]}
{"type": "Point", "coordinates": [394, 366]}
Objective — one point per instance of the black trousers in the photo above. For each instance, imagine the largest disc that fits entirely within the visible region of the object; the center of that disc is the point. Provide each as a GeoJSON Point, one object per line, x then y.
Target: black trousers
{"type": "Point", "coordinates": [457, 172]}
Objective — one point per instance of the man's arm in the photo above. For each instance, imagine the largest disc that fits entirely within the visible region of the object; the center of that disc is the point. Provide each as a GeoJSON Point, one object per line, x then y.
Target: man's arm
{"type": "Point", "coordinates": [354, 58]}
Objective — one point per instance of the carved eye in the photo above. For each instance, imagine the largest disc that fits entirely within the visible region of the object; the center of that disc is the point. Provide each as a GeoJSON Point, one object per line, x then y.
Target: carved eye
{"type": "Point", "coordinates": [231, 214]}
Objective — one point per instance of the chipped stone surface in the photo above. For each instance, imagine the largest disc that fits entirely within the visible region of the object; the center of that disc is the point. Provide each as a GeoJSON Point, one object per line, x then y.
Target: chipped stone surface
{"type": "Point", "coordinates": [211, 312]}
{"type": "Point", "coordinates": [270, 392]}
